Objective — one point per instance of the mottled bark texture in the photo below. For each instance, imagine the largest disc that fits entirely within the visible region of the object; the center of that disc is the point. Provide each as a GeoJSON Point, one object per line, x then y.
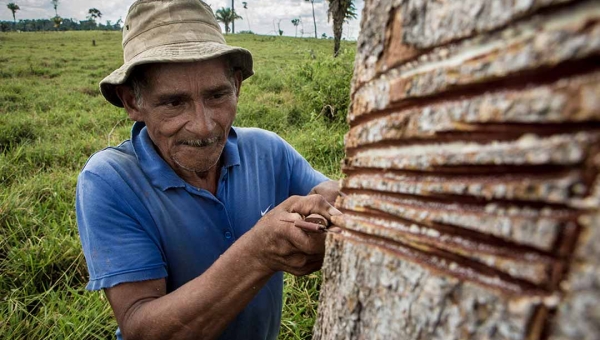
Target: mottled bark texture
{"type": "Point", "coordinates": [472, 195]}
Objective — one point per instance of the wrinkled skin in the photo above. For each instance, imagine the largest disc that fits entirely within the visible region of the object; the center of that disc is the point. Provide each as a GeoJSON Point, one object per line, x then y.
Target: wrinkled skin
{"type": "Point", "coordinates": [188, 110]}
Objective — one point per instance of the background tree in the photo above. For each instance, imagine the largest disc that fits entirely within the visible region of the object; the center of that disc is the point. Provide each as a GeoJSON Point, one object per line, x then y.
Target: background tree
{"type": "Point", "coordinates": [279, 30]}
{"type": "Point", "coordinates": [340, 11]}
{"type": "Point", "coordinates": [312, 2]}
{"type": "Point", "coordinates": [233, 20]}
{"type": "Point", "coordinates": [226, 16]}
{"type": "Point", "coordinates": [94, 14]}
{"type": "Point", "coordinates": [13, 8]}
{"type": "Point", "coordinates": [245, 4]}
{"type": "Point", "coordinates": [57, 21]}
{"type": "Point", "coordinates": [296, 22]}
{"type": "Point", "coordinates": [55, 5]}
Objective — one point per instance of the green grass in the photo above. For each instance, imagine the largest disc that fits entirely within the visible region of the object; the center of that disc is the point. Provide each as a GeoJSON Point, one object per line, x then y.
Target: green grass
{"type": "Point", "coordinates": [52, 118]}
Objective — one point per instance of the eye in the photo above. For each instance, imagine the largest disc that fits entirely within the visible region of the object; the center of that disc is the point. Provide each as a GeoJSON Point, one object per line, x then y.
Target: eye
{"type": "Point", "coordinates": [174, 103]}
{"type": "Point", "coordinates": [218, 95]}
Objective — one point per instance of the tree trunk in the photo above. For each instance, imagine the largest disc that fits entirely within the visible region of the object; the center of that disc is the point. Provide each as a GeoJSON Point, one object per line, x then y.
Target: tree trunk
{"type": "Point", "coordinates": [472, 193]}
{"type": "Point", "coordinates": [312, 2]}
{"type": "Point", "coordinates": [338, 22]}
{"type": "Point", "coordinates": [233, 17]}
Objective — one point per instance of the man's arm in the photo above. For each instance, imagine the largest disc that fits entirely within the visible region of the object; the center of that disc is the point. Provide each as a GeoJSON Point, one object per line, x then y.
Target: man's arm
{"type": "Point", "coordinates": [203, 307]}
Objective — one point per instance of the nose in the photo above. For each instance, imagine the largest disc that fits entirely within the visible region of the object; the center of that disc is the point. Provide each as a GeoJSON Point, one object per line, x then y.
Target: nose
{"type": "Point", "coordinates": [201, 122]}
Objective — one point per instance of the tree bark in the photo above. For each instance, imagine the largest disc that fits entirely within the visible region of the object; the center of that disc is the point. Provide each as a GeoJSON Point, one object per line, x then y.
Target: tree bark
{"type": "Point", "coordinates": [337, 35]}
{"type": "Point", "coordinates": [472, 196]}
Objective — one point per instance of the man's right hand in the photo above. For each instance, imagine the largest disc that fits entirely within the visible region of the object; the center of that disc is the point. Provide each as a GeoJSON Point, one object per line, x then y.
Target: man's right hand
{"type": "Point", "coordinates": [280, 246]}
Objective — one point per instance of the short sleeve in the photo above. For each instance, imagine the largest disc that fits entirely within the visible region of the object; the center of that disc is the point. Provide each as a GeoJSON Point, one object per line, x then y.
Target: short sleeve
{"type": "Point", "coordinates": [302, 175]}
{"type": "Point", "coordinates": [117, 245]}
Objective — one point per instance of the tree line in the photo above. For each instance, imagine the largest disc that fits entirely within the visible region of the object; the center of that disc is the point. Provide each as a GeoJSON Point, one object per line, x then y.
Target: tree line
{"type": "Point", "coordinates": [57, 23]}
{"type": "Point", "coordinates": [339, 10]}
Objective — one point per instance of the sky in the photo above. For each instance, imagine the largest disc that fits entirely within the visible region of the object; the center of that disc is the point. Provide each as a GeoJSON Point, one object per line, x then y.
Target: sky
{"type": "Point", "coordinates": [261, 17]}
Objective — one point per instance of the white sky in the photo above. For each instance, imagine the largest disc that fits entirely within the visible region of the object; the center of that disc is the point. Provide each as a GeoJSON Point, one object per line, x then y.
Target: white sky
{"type": "Point", "coordinates": [261, 16]}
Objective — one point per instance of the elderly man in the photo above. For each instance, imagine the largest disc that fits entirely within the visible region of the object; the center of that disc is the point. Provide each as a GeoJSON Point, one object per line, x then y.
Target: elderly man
{"type": "Point", "coordinates": [183, 225]}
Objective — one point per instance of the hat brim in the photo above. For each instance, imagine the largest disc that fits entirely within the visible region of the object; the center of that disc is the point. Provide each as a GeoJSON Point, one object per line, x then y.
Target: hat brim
{"type": "Point", "coordinates": [240, 58]}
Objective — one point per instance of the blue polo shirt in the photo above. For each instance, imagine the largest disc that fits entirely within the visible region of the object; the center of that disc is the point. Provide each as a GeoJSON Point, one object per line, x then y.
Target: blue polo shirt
{"type": "Point", "coordinates": [138, 220]}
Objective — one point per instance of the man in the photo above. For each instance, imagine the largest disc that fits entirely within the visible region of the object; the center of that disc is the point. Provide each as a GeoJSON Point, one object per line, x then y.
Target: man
{"type": "Point", "coordinates": [183, 225]}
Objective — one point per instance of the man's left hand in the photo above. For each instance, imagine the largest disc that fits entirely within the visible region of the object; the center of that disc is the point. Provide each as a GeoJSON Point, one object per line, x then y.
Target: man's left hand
{"type": "Point", "coordinates": [330, 190]}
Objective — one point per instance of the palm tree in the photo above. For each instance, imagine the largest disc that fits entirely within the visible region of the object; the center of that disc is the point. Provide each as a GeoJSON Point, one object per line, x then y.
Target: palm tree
{"type": "Point", "coordinates": [94, 14]}
{"type": "Point", "coordinates": [57, 21]}
{"type": "Point", "coordinates": [13, 8]}
{"type": "Point", "coordinates": [55, 5]}
{"type": "Point", "coordinates": [296, 22]}
{"type": "Point", "coordinates": [312, 2]}
{"type": "Point", "coordinates": [340, 11]}
{"type": "Point", "coordinates": [226, 16]}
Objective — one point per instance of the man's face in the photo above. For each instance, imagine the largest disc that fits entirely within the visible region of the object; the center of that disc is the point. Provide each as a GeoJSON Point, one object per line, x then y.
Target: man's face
{"type": "Point", "coordinates": [188, 109]}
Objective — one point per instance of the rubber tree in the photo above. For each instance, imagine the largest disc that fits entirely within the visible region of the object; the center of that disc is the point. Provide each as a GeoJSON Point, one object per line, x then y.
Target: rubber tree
{"type": "Point", "coordinates": [471, 195]}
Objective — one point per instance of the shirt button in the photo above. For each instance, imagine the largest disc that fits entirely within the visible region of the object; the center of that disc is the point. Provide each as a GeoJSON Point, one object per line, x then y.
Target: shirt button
{"type": "Point", "coordinates": [227, 235]}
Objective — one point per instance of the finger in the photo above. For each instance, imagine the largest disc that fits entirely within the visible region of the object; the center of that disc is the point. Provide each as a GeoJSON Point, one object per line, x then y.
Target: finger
{"type": "Point", "coordinates": [307, 242]}
{"type": "Point", "coordinates": [314, 204]}
{"type": "Point", "coordinates": [290, 217]}
{"type": "Point", "coordinates": [309, 226]}
{"type": "Point", "coordinates": [328, 189]}
{"type": "Point", "coordinates": [335, 230]}
{"type": "Point", "coordinates": [303, 264]}
{"type": "Point", "coordinates": [310, 267]}
{"type": "Point", "coordinates": [317, 219]}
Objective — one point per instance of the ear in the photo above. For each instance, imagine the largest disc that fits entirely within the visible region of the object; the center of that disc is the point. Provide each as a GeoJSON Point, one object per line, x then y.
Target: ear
{"type": "Point", "coordinates": [238, 81]}
{"type": "Point", "coordinates": [130, 104]}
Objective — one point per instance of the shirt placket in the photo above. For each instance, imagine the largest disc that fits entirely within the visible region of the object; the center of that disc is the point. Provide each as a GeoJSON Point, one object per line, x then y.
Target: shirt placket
{"type": "Point", "coordinates": [228, 230]}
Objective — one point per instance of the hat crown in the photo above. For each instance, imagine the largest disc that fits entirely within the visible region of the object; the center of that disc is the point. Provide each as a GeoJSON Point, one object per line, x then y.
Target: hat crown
{"type": "Point", "coordinates": [152, 23]}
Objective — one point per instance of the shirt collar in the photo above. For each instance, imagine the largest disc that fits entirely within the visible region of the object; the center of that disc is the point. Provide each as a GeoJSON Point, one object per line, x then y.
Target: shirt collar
{"type": "Point", "coordinates": [158, 171]}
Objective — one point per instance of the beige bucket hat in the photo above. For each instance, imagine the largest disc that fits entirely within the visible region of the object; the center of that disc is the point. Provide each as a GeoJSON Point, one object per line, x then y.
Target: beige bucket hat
{"type": "Point", "coordinates": [171, 31]}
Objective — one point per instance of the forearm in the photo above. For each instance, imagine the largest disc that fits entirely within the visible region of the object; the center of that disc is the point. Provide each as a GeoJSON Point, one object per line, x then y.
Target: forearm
{"type": "Point", "coordinates": [202, 308]}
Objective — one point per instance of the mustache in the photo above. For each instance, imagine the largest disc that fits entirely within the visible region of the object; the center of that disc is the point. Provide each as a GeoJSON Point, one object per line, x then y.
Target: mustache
{"type": "Point", "coordinates": [200, 142]}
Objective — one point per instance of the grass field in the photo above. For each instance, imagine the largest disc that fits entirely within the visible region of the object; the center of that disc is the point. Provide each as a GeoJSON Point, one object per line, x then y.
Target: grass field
{"type": "Point", "coordinates": [52, 118]}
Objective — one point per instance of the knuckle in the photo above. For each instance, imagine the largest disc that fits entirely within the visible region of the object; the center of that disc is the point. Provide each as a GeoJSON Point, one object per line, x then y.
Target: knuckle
{"type": "Point", "coordinates": [314, 199]}
{"type": "Point", "coordinates": [321, 200]}
{"type": "Point", "coordinates": [291, 201]}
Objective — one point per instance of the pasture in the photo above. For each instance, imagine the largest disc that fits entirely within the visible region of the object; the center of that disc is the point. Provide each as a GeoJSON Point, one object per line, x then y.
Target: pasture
{"type": "Point", "coordinates": [52, 118]}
